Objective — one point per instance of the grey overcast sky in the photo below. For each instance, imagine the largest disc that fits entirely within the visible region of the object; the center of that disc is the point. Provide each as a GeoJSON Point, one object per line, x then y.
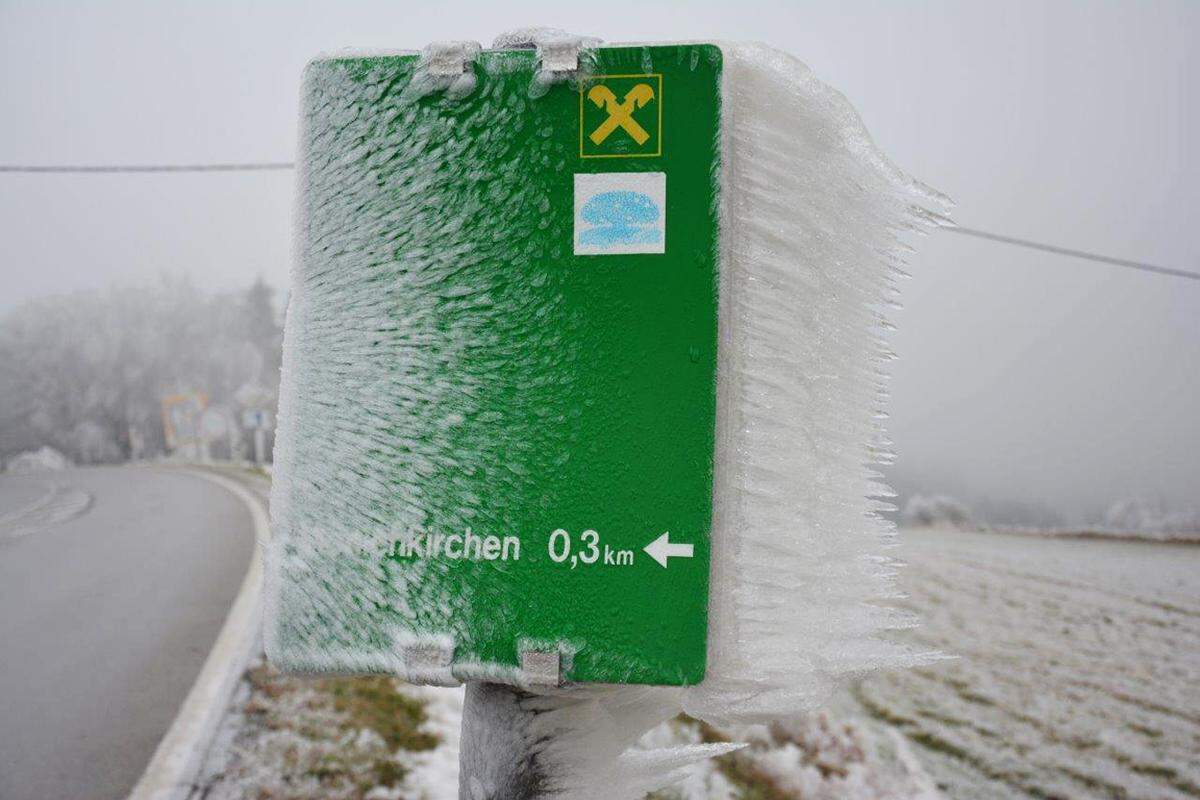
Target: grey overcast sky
{"type": "Point", "coordinates": [1022, 374]}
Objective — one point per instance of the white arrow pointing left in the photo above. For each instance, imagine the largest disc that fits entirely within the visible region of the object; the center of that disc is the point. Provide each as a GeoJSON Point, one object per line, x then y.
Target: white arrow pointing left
{"type": "Point", "coordinates": [661, 549]}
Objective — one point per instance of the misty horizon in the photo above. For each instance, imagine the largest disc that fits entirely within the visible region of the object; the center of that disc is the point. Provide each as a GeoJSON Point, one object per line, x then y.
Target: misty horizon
{"type": "Point", "coordinates": [1021, 376]}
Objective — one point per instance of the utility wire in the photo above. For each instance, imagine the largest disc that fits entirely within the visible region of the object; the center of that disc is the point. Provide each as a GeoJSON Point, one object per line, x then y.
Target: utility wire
{"type": "Point", "coordinates": [266, 166]}
{"type": "Point", "coordinates": [1066, 251]}
{"type": "Point", "coordinates": [254, 166]}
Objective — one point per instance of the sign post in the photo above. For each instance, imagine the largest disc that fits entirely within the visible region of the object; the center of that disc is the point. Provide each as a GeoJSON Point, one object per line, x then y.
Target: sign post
{"type": "Point", "coordinates": [257, 420]}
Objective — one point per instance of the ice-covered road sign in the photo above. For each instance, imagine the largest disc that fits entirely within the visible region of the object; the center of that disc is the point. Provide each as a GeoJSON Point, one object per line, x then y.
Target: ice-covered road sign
{"type": "Point", "coordinates": [256, 419]}
{"type": "Point", "coordinates": [496, 453]}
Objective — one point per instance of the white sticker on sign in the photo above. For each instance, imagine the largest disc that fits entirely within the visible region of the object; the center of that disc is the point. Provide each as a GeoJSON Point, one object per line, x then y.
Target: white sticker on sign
{"type": "Point", "coordinates": [620, 212]}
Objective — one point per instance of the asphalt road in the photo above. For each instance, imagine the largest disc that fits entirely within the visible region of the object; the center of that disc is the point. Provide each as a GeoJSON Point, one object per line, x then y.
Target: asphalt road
{"type": "Point", "coordinates": [114, 583]}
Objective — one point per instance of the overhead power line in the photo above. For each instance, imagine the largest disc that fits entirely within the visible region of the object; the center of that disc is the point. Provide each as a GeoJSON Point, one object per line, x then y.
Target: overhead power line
{"type": "Point", "coordinates": [250, 166]}
{"type": "Point", "coordinates": [267, 166]}
{"type": "Point", "coordinates": [1066, 251]}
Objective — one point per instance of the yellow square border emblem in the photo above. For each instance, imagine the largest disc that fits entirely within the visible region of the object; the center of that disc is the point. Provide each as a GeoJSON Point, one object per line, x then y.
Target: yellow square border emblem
{"type": "Point", "coordinates": [594, 80]}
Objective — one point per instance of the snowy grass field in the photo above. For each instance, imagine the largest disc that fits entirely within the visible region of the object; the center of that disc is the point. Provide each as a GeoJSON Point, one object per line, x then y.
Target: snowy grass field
{"type": "Point", "coordinates": [1078, 672]}
{"type": "Point", "coordinates": [1077, 675]}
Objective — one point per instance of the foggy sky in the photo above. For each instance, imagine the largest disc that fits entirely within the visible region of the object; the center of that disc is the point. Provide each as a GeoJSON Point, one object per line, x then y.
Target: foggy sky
{"type": "Point", "coordinates": [1021, 374]}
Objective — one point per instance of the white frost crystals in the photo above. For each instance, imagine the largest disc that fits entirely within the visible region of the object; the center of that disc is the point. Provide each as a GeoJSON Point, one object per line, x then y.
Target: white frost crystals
{"type": "Point", "coordinates": [445, 66]}
{"type": "Point", "coordinates": [560, 55]}
{"type": "Point", "coordinates": [814, 218]}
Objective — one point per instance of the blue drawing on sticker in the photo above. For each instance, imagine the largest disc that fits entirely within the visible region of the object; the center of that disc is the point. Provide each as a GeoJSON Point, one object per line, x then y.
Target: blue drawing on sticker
{"type": "Point", "coordinates": [620, 218]}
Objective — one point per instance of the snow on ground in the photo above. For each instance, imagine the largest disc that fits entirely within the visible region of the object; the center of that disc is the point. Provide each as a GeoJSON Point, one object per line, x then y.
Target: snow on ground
{"type": "Point", "coordinates": [806, 758]}
{"type": "Point", "coordinates": [434, 774]}
{"type": "Point", "coordinates": [333, 738]}
{"type": "Point", "coordinates": [1078, 672]}
{"type": "Point", "coordinates": [378, 739]}
{"type": "Point", "coordinates": [1076, 675]}
{"type": "Point", "coordinates": [44, 459]}
{"type": "Point", "coordinates": [49, 504]}
{"type": "Point", "coordinates": [1176, 535]}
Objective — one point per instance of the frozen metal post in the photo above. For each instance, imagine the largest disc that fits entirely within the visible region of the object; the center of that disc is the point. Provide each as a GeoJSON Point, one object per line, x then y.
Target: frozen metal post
{"type": "Point", "coordinates": [498, 756]}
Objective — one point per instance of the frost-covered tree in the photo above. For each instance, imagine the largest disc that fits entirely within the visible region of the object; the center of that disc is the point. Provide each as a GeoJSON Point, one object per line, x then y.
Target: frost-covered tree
{"type": "Point", "coordinates": [936, 511]}
{"type": "Point", "coordinates": [80, 372]}
{"type": "Point", "coordinates": [1138, 515]}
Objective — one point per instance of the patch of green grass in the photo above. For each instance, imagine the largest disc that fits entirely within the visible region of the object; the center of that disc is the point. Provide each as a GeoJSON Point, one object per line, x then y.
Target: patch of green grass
{"type": "Point", "coordinates": [373, 702]}
{"type": "Point", "coordinates": [327, 716]}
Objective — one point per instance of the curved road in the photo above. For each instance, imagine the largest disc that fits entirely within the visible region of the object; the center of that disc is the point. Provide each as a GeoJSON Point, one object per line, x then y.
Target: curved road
{"type": "Point", "coordinates": [114, 583]}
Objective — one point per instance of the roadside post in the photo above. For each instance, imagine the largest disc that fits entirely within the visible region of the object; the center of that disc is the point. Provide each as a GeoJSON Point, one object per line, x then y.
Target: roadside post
{"type": "Point", "coordinates": [580, 394]}
{"type": "Point", "coordinates": [258, 421]}
{"type": "Point", "coordinates": [256, 402]}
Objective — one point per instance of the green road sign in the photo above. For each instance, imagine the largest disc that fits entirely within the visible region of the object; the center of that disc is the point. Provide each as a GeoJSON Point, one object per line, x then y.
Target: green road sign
{"type": "Point", "coordinates": [496, 453]}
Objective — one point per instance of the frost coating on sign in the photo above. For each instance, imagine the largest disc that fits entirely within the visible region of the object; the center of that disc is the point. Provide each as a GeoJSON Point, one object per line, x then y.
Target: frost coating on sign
{"type": "Point", "coordinates": [463, 395]}
{"type": "Point", "coordinates": [323, 558]}
{"type": "Point", "coordinates": [813, 222]}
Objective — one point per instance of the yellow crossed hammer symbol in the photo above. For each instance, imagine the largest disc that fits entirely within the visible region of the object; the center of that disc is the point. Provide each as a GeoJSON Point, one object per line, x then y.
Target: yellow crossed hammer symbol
{"type": "Point", "coordinates": [620, 115]}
